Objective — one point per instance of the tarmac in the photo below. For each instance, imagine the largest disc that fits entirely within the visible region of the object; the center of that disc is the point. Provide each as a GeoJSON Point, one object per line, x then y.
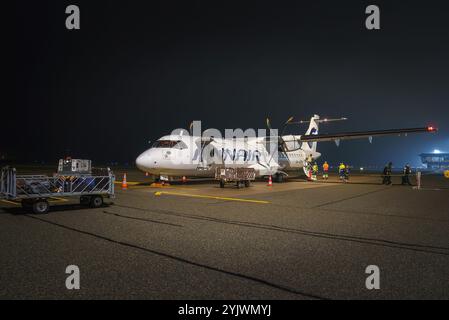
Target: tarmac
{"type": "Point", "coordinates": [294, 240]}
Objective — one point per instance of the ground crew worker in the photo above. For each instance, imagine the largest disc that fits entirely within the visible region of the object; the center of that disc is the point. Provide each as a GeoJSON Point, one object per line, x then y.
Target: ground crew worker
{"type": "Point", "coordinates": [387, 173]}
{"type": "Point", "coordinates": [309, 158]}
{"type": "Point", "coordinates": [314, 171]}
{"type": "Point", "coordinates": [341, 170]}
{"type": "Point", "coordinates": [347, 172]}
{"type": "Point", "coordinates": [308, 171]}
{"type": "Point", "coordinates": [325, 170]}
{"type": "Point", "coordinates": [406, 175]}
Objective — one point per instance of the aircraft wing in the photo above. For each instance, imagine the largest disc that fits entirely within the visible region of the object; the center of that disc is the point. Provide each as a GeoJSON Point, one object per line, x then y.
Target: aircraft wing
{"type": "Point", "coordinates": [362, 134]}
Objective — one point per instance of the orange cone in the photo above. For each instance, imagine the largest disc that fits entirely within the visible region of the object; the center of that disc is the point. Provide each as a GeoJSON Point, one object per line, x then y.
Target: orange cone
{"type": "Point", "coordinates": [270, 182]}
{"type": "Point", "coordinates": [124, 183]}
{"type": "Point", "coordinates": [184, 179]}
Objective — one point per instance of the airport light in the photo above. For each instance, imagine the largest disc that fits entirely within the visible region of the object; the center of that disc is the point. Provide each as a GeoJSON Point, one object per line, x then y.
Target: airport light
{"type": "Point", "coordinates": [436, 151]}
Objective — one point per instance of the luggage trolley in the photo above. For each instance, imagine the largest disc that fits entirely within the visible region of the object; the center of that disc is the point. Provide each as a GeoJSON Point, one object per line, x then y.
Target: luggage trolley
{"type": "Point", "coordinates": [33, 191]}
{"type": "Point", "coordinates": [241, 176]}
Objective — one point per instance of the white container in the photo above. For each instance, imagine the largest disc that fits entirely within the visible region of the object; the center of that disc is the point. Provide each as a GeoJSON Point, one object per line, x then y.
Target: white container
{"type": "Point", "coordinates": [74, 166]}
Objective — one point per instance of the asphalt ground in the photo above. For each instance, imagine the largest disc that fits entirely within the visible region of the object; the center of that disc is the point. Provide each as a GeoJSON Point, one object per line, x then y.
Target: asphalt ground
{"type": "Point", "coordinates": [296, 240]}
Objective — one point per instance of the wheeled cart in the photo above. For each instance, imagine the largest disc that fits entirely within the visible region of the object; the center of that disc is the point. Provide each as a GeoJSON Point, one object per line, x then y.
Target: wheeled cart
{"type": "Point", "coordinates": [33, 191]}
{"type": "Point", "coordinates": [242, 177]}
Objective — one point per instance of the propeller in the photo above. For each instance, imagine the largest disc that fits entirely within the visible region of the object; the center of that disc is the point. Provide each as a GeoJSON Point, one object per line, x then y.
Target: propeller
{"type": "Point", "coordinates": [281, 141]}
{"type": "Point", "coordinates": [268, 123]}
{"type": "Point", "coordinates": [190, 128]}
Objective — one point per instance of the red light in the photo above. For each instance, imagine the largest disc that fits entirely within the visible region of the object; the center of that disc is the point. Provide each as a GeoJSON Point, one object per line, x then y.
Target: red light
{"type": "Point", "coordinates": [431, 129]}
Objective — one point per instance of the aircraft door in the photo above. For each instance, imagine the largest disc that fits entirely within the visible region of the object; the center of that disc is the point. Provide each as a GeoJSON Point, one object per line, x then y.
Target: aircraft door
{"type": "Point", "coordinates": [207, 154]}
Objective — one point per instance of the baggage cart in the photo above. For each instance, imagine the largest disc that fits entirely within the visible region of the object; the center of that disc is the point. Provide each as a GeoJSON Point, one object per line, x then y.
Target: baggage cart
{"type": "Point", "coordinates": [242, 177]}
{"type": "Point", "coordinates": [33, 191]}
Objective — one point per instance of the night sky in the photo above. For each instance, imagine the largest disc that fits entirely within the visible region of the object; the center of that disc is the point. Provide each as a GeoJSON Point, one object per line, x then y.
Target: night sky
{"type": "Point", "coordinates": [138, 69]}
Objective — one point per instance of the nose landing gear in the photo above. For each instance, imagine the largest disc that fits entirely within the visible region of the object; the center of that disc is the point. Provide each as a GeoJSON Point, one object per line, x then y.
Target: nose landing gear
{"type": "Point", "coordinates": [279, 177]}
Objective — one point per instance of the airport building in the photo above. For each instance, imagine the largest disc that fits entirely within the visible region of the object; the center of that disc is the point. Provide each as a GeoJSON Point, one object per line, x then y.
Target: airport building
{"type": "Point", "coordinates": [435, 160]}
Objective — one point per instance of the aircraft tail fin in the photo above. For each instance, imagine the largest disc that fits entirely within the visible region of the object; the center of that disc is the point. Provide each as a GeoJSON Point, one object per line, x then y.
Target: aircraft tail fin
{"type": "Point", "coordinates": [312, 130]}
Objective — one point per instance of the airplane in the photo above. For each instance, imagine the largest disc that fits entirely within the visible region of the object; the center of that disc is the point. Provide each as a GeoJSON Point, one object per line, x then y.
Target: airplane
{"type": "Point", "coordinates": [181, 154]}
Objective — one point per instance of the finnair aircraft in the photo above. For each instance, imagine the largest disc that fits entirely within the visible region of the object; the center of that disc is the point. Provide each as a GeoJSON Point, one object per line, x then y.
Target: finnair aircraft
{"type": "Point", "coordinates": [281, 155]}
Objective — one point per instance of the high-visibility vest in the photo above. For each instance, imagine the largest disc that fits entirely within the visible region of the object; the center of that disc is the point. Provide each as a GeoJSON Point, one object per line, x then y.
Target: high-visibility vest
{"type": "Point", "coordinates": [342, 167]}
{"type": "Point", "coordinates": [325, 167]}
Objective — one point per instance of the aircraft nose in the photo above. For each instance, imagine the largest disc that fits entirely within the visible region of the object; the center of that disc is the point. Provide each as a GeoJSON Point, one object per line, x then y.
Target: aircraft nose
{"type": "Point", "coordinates": [143, 161]}
{"type": "Point", "coordinates": [147, 161]}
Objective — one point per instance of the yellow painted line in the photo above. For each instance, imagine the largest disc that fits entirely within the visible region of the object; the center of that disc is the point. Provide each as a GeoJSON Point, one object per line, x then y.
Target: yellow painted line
{"type": "Point", "coordinates": [11, 202]}
{"type": "Point", "coordinates": [52, 199]}
{"type": "Point", "coordinates": [160, 187]}
{"type": "Point", "coordinates": [58, 199]}
{"type": "Point", "coordinates": [131, 183]}
{"type": "Point", "coordinates": [180, 188]}
{"type": "Point", "coordinates": [159, 193]}
{"type": "Point", "coordinates": [169, 187]}
{"type": "Point", "coordinates": [142, 185]}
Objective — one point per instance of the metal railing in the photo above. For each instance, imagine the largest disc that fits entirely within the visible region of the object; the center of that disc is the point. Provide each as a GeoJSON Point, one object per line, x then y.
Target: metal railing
{"type": "Point", "coordinates": [13, 186]}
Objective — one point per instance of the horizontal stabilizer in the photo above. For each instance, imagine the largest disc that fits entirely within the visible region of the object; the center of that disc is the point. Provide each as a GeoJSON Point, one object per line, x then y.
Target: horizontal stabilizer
{"type": "Point", "coordinates": [319, 120]}
{"type": "Point", "coordinates": [363, 134]}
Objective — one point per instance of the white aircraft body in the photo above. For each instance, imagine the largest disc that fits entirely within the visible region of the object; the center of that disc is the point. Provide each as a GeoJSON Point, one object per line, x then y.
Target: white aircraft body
{"type": "Point", "coordinates": [195, 156]}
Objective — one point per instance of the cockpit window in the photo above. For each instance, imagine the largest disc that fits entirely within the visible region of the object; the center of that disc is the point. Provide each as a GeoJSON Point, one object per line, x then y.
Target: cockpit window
{"type": "Point", "coordinates": [169, 144]}
{"type": "Point", "coordinates": [180, 145]}
{"type": "Point", "coordinates": [163, 144]}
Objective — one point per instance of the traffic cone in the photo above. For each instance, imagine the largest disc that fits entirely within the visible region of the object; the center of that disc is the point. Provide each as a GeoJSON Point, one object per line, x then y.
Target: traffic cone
{"type": "Point", "coordinates": [184, 179]}
{"type": "Point", "coordinates": [124, 183]}
{"type": "Point", "coordinates": [270, 182]}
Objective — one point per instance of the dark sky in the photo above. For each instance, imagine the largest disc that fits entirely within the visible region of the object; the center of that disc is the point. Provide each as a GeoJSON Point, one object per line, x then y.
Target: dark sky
{"type": "Point", "coordinates": [138, 69]}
